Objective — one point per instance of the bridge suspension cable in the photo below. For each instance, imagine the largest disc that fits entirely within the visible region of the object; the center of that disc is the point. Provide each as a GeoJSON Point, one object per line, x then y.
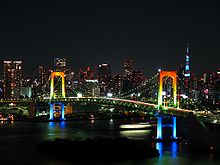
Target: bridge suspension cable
{"type": "Point", "coordinates": [139, 89]}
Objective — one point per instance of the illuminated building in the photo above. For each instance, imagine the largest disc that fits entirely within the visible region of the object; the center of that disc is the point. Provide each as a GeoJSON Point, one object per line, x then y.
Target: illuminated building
{"type": "Point", "coordinates": [70, 78]}
{"type": "Point", "coordinates": [118, 84]}
{"type": "Point", "coordinates": [59, 64]}
{"type": "Point", "coordinates": [89, 75]}
{"type": "Point", "coordinates": [1, 88]}
{"type": "Point", "coordinates": [104, 78]}
{"type": "Point", "coordinates": [91, 88]}
{"type": "Point", "coordinates": [127, 69]}
{"type": "Point", "coordinates": [12, 79]}
{"type": "Point", "coordinates": [137, 78]}
{"type": "Point", "coordinates": [210, 88]}
{"type": "Point", "coordinates": [26, 92]}
{"type": "Point", "coordinates": [42, 74]}
{"type": "Point", "coordinates": [127, 77]}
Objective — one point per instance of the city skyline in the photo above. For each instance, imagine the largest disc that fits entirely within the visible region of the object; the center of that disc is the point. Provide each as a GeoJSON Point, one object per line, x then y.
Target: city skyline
{"type": "Point", "coordinates": [153, 34]}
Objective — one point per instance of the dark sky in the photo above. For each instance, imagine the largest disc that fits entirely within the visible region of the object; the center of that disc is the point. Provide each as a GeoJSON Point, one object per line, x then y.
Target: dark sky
{"type": "Point", "coordinates": [153, 33]}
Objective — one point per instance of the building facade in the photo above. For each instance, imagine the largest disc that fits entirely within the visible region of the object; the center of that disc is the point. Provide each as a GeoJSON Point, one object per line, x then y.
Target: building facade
{"type": "Point", "coordinates": [12, 79]}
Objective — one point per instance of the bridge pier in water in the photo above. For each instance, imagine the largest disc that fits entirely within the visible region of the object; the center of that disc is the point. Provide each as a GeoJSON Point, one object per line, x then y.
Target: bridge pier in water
{"type": "Point", "coordinates": [160, 126]}
{"type": "Point", "coordinates": [56, 108]}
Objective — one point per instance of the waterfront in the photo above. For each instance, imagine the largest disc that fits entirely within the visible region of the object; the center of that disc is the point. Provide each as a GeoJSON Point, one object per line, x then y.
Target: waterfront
{"type": "Point", "coordinates": [18, 140]}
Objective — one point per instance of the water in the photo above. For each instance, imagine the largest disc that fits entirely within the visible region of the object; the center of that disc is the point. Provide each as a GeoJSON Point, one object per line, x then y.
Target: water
{"type": "Point", "coordinates": [18, 141]}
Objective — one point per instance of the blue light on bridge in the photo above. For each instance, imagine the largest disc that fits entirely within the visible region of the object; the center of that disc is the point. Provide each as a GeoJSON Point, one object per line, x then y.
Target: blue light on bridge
{"type": "Point", "coordinates": [160, 127]}
{"type": "Point", "coordinates": [56, 107]}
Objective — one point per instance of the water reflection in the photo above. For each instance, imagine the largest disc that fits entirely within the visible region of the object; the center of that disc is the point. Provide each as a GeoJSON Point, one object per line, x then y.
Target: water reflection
{"type": "Point", "coordinates": [62, 124]}
{"type": "Point", "coordinates": [111, 124]}
{"type": "Point", "coordinates": [174, 149]}
{"type": "Point", "coordinates": [159, 146]}
{"type": "Point", "coordinates": [56, 129]}
{"type": "Point", "coordinates": [92, 121]}
{"type": "Point", "coordinates": [7, 123]}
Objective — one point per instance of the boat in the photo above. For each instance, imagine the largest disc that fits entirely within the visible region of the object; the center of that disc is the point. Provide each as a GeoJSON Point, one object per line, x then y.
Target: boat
{"type": "Point", "coordinates": [136, 126]}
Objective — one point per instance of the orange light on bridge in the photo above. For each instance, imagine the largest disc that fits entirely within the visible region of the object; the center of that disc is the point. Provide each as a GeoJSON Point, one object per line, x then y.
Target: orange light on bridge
{"type": "Point", "coordinates": [173, 75]}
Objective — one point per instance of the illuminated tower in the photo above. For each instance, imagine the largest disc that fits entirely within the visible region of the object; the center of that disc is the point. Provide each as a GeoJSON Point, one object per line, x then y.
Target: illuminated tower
{"type": "Point", "coordinates": [161, 96]}
{"type": "Point", "coordinates": [187, 69]}
{"type": "Point", "coordinates": [58, 92]}
{"type": "Point", "coordinates": [173, 76]}
{"type": "Point", "coordinates": [57, 108]}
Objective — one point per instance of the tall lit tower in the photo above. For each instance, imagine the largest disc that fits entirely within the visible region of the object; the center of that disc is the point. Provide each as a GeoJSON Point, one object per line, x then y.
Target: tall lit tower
{"type": "Point", "coordinates": [187, 69]}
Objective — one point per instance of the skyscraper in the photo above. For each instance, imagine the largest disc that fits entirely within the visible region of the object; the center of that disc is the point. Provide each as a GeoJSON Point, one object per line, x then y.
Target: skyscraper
{"type": "Point", "coordinates": [42, 74]}
{"type": "Point", "coordinates": [104, 78]}
{"type": "Point", "coordinates": [60, 64]}
{"type": "Point", "coordinates": [12, 79]}
{"type": "Point", "coordinates": [127, 69]}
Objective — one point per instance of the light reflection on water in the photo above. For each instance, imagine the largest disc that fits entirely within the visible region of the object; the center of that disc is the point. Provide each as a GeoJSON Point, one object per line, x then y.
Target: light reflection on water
{"type": "Point", "coordinates": [15, 139]}
{"type": "Point", "coordinates": [57, 129]}
{"type": "Point", "coordinates": [159, 146]}
{"type": "Point", "coordinates": [174, 149]}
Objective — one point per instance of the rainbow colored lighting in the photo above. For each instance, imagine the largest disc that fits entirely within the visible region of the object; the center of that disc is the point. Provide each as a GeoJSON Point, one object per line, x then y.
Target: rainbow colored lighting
{"type": "Point", "coordinates": [57, 74]}
{"type": "Point", "coordinates": [173, 75]}
{"type": "Point", "coordinates": [53, 106]}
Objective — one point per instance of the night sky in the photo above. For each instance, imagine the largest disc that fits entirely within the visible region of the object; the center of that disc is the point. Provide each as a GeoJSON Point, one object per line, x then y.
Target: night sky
{"type": "Point", "coordinates": [153, 33]}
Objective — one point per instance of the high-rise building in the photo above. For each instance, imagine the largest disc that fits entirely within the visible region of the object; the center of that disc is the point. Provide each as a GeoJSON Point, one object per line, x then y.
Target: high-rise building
{"type": "Point", "coordinates": [127, 69]}
{"type": "Point", "coordinates": [91, 88]}
{"type": "Point", "coordinates": [137, 78]}
{"type": "Point", "coordinates": [1, 89]}
{"type": "Point", "coordinates": [118, 84]}
{"type": "Point", "coordinates": [12, 79]}
{"type": "Point", "coordinates": [60, 64]}
{"type": "Point", "coordinates": [42, 75]}
{"type": "Point", "coordinates": [104, 78]}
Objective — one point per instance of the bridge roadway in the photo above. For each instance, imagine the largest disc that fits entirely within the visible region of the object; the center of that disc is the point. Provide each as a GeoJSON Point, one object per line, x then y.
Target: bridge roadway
{"type": "Point", "coordinates": [147, 107]}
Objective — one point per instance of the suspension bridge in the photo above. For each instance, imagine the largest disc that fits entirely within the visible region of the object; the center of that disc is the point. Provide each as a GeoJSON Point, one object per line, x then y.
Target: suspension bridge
{"type": "Point", "coordinates": [58, 100]}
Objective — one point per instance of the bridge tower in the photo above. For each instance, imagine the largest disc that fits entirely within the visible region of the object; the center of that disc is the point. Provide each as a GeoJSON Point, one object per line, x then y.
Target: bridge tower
{"type": "Point", "coordinates": [173, 75]}
{"type": "Point", "coordinates": [57, 108]}
{"type": "Point", "coordinates": [160, 124]}
{"type": "Point", "coordinates": [52, 93]}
